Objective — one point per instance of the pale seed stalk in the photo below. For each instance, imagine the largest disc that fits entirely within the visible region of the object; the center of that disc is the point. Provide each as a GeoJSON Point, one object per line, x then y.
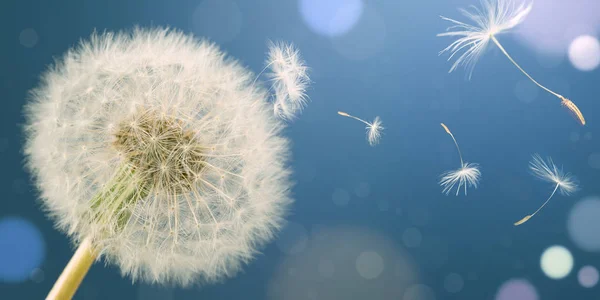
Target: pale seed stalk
{"type": "Point", "coordinates": [70, 279]}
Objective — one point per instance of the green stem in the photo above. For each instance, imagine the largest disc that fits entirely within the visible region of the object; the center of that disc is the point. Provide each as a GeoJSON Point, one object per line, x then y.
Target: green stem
{"type": "Point", "coordinates": [109, 206]}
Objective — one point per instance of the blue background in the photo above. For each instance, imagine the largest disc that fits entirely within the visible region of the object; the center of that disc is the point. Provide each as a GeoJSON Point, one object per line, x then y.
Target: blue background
{"type": "Point", "coordinates": [404, 82]}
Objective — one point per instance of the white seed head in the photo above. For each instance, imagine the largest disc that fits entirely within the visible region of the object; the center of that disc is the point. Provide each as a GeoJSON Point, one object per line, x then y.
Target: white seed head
{"type": "Point", "coordinates": [549, 172]}
{"type": "Point", "coordinates": [467, 175]}
{"type": "Point", "coordinates": [163, 151]}
{"type": "Point", "coordinates": [374, 131]}
{"type": "Point", "coordinates": [494, 17]}
{"type": "Point", "coordinates": [289, 76]}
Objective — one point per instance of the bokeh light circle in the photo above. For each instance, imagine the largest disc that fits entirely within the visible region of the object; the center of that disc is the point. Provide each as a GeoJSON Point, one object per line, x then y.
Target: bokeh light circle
{"type": "Point", "coordinates": [556, 262]}
{"type": "Point", "coordinates": [594, 160]}
{"type": "Point", "coordinates": [588, 276]}
{"type": "Point", "coordinates": [453, 283]}
{"type": "Point", "coordinates": [293, 239]}
{"type": "Point", "coordinates": [22, 249]}
{"type": "Point", "coordinates": [362, 190]}
{"type": "Point", "coordinates": [517, 289]}
{"type": "Point", "coordinates": [331, 17]}
{"type": "Point", "coordinates": [412, 238]}
{"type": "Point", "coordinates": [326, 268]}
{"type": "Point", "coordinates": [419, 292]}
{"type": "Point", "coordinates": [584, 53]}
{"type": "Point", "coordinates": [526, 91]}
{"type": "Point", "coordinates": [37, 275]}
{"type": "Point", "coordinates": [340, 197]}
{"type": "Point", "coordinates": [337, 264]}
{"type": "Point", "coordinates": [218, 20]}
{"type": "Point", "coordinates": [583, 224]}
{"type": "Point", "coordinates": [550, 34]}
{"type": "Point", "coordinates": [364, 40]}
{"type": "Point", "coordinates": [28, 37]}
{"type": "Point", "coordinates": [369, 265]}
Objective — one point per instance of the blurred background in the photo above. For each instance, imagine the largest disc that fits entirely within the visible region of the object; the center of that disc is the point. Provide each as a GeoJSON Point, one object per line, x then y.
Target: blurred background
{"type": "Point", "coordinates": [368, 222]}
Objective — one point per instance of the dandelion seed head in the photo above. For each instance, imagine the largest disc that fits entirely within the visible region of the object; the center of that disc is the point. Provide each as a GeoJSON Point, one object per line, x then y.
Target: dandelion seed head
{"type": "Point", "coordinates": [494, 17]}
{"type": "Point", "coordinates": [289, 76]}
{"type": "Point", "coordinates": [466, 176]}
{"type": "Point", "coordinates": [547, 171]}
{"type": "Point", "coordinates": [163, 151]}
{"type": "Point", "coordinates": [374, 131]}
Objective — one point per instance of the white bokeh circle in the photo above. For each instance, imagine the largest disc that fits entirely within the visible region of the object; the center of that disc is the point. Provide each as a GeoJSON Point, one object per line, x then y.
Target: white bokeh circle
{"type": "Point", "coordinates": [583, 224]}
{"type": "Point", "coordinates": [332, 17]}
{"type": "Point", "coordinates": [588, 276]}
{"type": "Point", "coordinates": [584, 53]}
{"type": "Point", "coordinates": [369, 264]}
{"type": "Point", "coordinates": [556, 262]}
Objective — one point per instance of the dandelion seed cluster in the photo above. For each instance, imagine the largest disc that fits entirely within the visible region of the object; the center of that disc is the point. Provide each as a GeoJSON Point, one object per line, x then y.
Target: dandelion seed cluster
{"type": "Point", "coordinates": [163, 151]}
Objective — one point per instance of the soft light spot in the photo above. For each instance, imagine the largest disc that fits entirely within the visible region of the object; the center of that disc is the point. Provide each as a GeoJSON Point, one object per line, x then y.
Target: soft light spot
{"type": "Point", "coordinates": [583, 224]}
{"type": "Point", "coordinates": [218, 20]}
{"type": "Point", "coordinates": [331, 17]}
{"type": "Point", "coordinates": [337, 264]}
{"type": "Point", "coordinates": [340, 197]}
{"type": "Point", "coordinates": [293, 239]}
{"type": "Point", "coordinates": [362, 190]}
{"type": "Point", "coordinates": [588, 276]}
{"type": "Point", "coordinates": [526, 91]}
{"type": "Point", "coordinates": [412, 238]}
{"type": "Point", "coordinates": [556, 262]}
{"type": "Point", "coordinates": [584, 53]}
{"type": "Point", "coordinates": [383, 205]}
{"type": "Point", "coordinates": [517, 289]}
{"type": "Point", "coordinates": [574, 137]}
{"type": "Point", "coordinates": [365, 40]}
{"type": "Point", "coordinates": [28, 37]}
{"type": "Point", "coordinates": [594, 160]}
{"type": "Point", "coordinates": [419, 292]}
{"type": "Point", "coordinates": [453, 283]}
{"type": "Point", "coordinates": [37, 275]}
{"type": "Point", "coordinates": [550, 34]}
{"type": "Point", "coordinates": [326, 268]}
{"type": "Point", "coordinates": [369, 264]}
{"type": "Point", "coordinates": [22, 249]}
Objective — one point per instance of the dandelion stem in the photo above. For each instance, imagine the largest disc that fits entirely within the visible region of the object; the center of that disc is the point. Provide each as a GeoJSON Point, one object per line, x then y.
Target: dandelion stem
{"type": "Point", "coordinates": [457, 148]}
{"type": "Point", "coordinates": [71, 277]}
{"type": "Point", "coordinates": [341, 113]}
{"type": "Point", "coordinates": [526, 218]}
{"type": "Point", "coordinates": [521, 69]}
{"type": "Point", "coordinates": [551, 195]}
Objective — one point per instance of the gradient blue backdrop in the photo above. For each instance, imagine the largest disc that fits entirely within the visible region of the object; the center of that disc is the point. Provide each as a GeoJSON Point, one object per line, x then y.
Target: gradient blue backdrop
{"type": "Point", "coordinates": [405, 83]}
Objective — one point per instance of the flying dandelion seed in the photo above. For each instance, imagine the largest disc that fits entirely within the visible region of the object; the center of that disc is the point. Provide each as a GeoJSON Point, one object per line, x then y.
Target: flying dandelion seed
{"type": "Point", "coordinates": [495, 17]}
{"type": "Point", "coordinates": [289, 75]}
{"type": "Point", "coordinates": [373, 129]}
{"type": "Point", "coordinates": [547, 171]}
{"type": "Point", "coordinates": [156, 152]}
{"type": "Point", "coordinates": [467, 175]}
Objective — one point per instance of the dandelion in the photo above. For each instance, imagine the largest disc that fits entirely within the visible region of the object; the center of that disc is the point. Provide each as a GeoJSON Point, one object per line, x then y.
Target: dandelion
{"type": "Point", "coordinates": [547, 171]}
{"type": "Point", "coordinates": [289, 76]}
{"type": "Point", "coordinates": [467, 175]}
{"type": "Point", "coordinates": [156, 152]}
{"type": "Point", "coordinates": [495, 17]}
{"type": "Point", "coordinates": [373, 129]}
